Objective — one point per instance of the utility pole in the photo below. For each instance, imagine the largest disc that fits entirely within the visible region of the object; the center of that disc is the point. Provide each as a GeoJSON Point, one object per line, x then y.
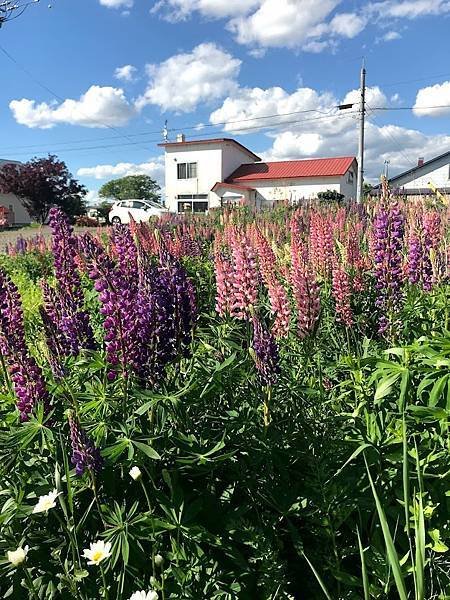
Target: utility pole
{"type": "Point", "coordinates": [10, 10]}
{"type": "Point", "coordinates": [360, 181]}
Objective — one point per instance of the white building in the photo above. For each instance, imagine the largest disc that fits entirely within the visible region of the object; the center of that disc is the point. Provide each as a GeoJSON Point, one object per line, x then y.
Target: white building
{"type": "Point", "coordinates": [17, 213]}
{"type": "Point", "coordinates": [421, 180]}
{"type": "Point", "coordinates": [206, 174]}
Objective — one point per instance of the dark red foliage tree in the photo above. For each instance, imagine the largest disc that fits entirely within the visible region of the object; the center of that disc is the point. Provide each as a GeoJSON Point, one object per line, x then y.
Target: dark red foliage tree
{"type": "Point", "coordinates": [42, 183]}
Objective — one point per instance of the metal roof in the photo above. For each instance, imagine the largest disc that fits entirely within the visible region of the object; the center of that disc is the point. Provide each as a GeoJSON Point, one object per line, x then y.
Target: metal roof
{"type": "Point", "coordinates": [291, 169]}
{"type": "Point", "coordinates": [417, 167]}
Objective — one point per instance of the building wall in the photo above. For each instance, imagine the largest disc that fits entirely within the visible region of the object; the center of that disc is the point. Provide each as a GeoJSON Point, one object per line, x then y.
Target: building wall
{"type": "Point", "coordinates": [214, 163]}
{"type": "Point", "coordinates": [438, 173]}
{"type": "Point", "coordinates": [440, 177]}
{"type": "Point", "coordinates": [269, 191]}
{"type": "Point", "coordinates": [348, 187]}
{"type": "Point", "coordinates": [21, 216]}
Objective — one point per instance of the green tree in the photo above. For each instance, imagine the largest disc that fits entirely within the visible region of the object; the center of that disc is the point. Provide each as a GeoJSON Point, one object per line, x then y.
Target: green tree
{"type": "Point", "coordinates": [330, 196]}
{"type": "Point", "coordinates": [131, 186]}
{"type": "Point", "coordinates": [42, 183]}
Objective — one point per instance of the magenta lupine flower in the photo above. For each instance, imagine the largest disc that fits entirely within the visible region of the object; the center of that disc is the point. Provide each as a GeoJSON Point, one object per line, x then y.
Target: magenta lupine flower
{"type": "Point", "coordinates": [279, 301]}
{"type": "Point", "coordinates": [245, 276]}
{"type": "Point", "coordinates": [267, 359]}
{"type": "Point", "coordinates": [321, 244]}
{"type": "Point", "coordinates": [389, 231]}
{"type": "Point", "coordinates": [224, 283]}
{"type": "Point", "coordinates": [305, 289]}
{"type": "Point", "coordinates": [342, 291]}
{"type": "Point", "coordinates": [418, 267]}
{"type": "Point", "coordinates": [84, 453]}
{"type": "Point", "coordinates": [26, 375]}
{"type": "Point", "coordinates": [64, 304]}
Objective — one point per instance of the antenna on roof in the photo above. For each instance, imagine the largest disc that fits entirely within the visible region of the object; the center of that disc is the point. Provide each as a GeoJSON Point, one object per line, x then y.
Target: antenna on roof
{"type": "Point", "coordinates": [165, 131]}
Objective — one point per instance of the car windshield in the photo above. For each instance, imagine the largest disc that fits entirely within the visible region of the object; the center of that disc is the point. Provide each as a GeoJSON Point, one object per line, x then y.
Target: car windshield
{"type": "Point", "coordinates": [154, 204]}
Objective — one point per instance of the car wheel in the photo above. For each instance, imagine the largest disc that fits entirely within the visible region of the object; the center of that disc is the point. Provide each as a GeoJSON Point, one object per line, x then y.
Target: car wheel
{"type": "Point", "coordinates": [116, 221]}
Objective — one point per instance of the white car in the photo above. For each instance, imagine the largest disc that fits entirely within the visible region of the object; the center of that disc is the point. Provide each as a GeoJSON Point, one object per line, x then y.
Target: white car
{"type": "Point", "coordinates": [140, 210]}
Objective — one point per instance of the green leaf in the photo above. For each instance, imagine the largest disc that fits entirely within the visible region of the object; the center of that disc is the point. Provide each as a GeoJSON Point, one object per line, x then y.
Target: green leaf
{"type": "Point", "coordinates": [384, 387]}
{"type": "Point", "coordinates": [147, 450]}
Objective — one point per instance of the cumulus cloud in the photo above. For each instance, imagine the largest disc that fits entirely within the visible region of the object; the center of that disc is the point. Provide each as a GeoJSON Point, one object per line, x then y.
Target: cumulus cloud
{"type": "Point", "coordinates": [408, 9]}
{"type": "Point", "coordinates": [185, 80]}
{"type": "Point", "coordinates": [433, 95]}
{"type": "Point", "coordinates": [181, 10]}
{"type": "Point", "coordinates": [117, 3]}
{"type": "Point", "coordinates": [153, 167]}
{"type": "Point", "coordinates": [125, 73]}
{"type": "Point", "coordinates": [98, 107]}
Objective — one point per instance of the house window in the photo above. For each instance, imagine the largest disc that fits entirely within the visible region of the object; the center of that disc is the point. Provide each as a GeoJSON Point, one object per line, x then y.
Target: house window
{"type": "Point", "coordinates": [192, 203]}
{"type": "Point", "coordinates": [187, 170]}
{"type": "Point", "coordinates": [350, 177]}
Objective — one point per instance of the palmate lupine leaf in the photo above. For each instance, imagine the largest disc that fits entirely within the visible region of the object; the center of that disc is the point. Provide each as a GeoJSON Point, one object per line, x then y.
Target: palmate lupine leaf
{"type": "Point", "coordinates": [392, 555]}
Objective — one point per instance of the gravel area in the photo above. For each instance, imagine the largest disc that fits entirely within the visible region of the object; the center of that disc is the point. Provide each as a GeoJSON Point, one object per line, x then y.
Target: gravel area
{"type": "Point", "coordinates": [10, 235]}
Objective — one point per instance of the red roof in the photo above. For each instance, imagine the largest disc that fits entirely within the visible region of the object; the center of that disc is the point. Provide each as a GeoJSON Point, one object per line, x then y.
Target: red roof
{"type": "Point", "coordinates": [231, 186]}
{"type": "Point", "coordinates": [213, 141]}
{"type": "Point", "coordinates": [291, 169]}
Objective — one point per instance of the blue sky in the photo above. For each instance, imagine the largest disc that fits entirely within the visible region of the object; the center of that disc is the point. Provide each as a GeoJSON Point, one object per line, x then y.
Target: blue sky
{"type": "Point", "coordinates": [94, 80]}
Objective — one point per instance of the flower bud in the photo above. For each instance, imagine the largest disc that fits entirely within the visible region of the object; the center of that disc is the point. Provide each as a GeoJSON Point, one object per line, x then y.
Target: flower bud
{"type": "Point", "coordinates": [135, 473]}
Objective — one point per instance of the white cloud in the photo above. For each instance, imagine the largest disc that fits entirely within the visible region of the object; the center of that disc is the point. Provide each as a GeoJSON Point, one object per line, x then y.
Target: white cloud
{"type": "Point", "coordinates": [408, 9]}
{"type": "Point", "coordinates": [91, 197]}
{"type": "Point", "coordinates": [347, 24]}
{"type": "Point", "coordinates": [375, 98]}
{"type": "Point", "coordinates": [153, 167]}
{"type": "Point", "coordinates": [390, 36]}
{"type": "Point", "coordinates": [117, 3]}
{"type": "Point", "coordinates": [125, 73]}
{"type": "Point", "coordinates": [181, 10]}
{"type": "Point", "coordinates": [434, 95]}
{"type": "Point", "coordinates": [185, 80]}
{"type": "Point", "coordinates": [278, 23]}
{"type": "Point", "coordinates": [98, 107]}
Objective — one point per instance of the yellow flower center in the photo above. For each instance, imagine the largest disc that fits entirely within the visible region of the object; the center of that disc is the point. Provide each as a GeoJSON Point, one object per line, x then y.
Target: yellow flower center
{"type": "Point", "coordinates": [97, 556]}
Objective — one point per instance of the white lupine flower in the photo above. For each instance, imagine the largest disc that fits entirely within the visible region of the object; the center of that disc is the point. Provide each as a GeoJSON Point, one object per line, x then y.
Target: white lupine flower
{"type": "Point", "coordinates": [158, 560]}
{"type": "Point", "coordinates": [45, 503]}
{"type": "Point", "coordinates": [135, 473]}
{"type": "Point", "coordinates": [151, 595]}
{"type": "Point", "coordinates": [16, 557]}
{"type": "Point", "coordinates": [97, 552]}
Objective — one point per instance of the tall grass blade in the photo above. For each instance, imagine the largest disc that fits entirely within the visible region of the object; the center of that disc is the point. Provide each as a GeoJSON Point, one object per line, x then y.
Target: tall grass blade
{"type": "Point", "coordinates": [390, 548]}
{"type": "Point", "coordinates": [317, 576]}
{"type": "Point", "coordinates": [365, 577]}
{"type": "Point", "coordinates": [420, 537]}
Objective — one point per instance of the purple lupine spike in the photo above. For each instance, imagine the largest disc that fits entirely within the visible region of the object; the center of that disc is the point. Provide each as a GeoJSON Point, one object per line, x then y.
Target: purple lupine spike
{"type": "Point", "coordinates": [389, 231]}
{"type": "Point", "coordinates": [125, 249]}
{"type": "Point", "coordinates": [26, 375]}
{"type": "Point", "coordinates": [64, 304]}
{"type": "Point", "coordinates": [119, 306]}
{"type": "Point", "coordinates": [85, 455]}
{"type": "Point", "coordinates": [267, 359]}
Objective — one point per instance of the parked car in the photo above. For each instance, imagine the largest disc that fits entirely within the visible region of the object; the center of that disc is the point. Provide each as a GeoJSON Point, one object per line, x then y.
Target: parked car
{"type": "Point", "coordinates": [140, 210]}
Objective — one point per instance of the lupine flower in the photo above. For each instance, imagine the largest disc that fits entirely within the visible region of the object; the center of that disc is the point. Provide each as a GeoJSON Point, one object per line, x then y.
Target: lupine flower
{"type": "Point", "coordinates": [64, 305]}
{"type": "Point", "coordinates": [135, 473]}
{"type": "Point", "coordinates": [245, 276]}
{"type": "Point", "coordinates": [267, 359]}
{"type": "Point", "coordinates": [151, 595]}
{"type": "Point", "coordinates": [84, 453]}
{"type": "Point", "coordinates": [224, 283]}
{"type": "Point", "coordinates": [321, 244]}
{"type": "Point", "coordinates": [389, 229]}
{"type": "Point", "coordinates": [159, 560]}
{"type": "Point", "coordinates": [305, 289]}
{"type": "Point", "coordinates": [26, 375]}
{"type": "Point", "coordinates": [45, 503]}
{"type": "Point", "coordinates": [17, 557]}
{"type": "Point", "coordinates": [97, 552]}
{"type": "Point", "coordinates": [342, 295]}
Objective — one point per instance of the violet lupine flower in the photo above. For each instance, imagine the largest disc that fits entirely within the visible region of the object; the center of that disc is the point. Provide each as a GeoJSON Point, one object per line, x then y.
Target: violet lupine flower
{"type": "Point", "coordinates": [118, 297]}
{"type": "Point", "coordinates": [64, 304]}
{"type": "Point", "coordinates": [25, 373]}
{"type": "Point", "coordinates": [342, 291]}
{"type": "Point", "coordinates": [125, 250]}
{"type": "Point", "coordinates": [419, 267]}
{"type": "Point", "coordinates": [389, 231]}
{"type": "Point", "coordinates": [267, 359]}
{"type": "Point", "coordinates": [305, 289]}
{"type": "Point", "coordinates": [85, 455]}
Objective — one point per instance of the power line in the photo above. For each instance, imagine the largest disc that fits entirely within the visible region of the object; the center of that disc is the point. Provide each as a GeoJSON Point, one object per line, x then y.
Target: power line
{"type": "Point", "coordinates": [203, 136]}
{"type": "Point", "coordinates": [394, 83]}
